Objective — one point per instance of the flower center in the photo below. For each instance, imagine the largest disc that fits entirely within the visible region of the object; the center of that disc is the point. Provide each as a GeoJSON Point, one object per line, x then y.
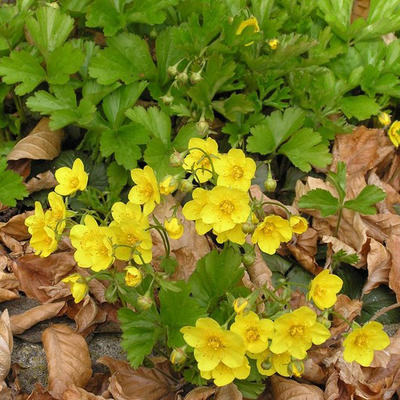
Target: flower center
{"type": "Point", "coordinates": [74, 182]}
{"type": "Point", "coordinates": [268, 228]}
{"type": "Point", "coordinates": [131, 239]}
{"type": "Point", "coordinates": [226, 207]}
{"type": "Point", "coordinates": [147, 190]}
{"type": "Point", "coordinates": [252, 334]}
{"type": "Point", "coordinates": [214, 342]}
{"type": "Point", "coordinates": [296, 330]}
{"type": "Point", "coordinates": [237, 172]}
{"type": "Point", "coordinates": [320, 291]}
{"type": "Point", "coordinates": [361, 341]}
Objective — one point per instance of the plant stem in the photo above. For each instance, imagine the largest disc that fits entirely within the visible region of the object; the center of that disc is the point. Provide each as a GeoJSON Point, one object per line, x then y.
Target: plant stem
{"type": "Point", "coordinates": [338, 221]}
{"type": "Point", "coordinates": [384, 310]}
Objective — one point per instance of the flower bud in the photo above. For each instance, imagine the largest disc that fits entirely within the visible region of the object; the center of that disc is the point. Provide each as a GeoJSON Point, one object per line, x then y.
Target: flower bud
{"type": "Point", "coordinates": [182, 77]}
{"type": "Point", "coordinates": [270, 184]}
{"type": "Point", "coordinates": [153, 33]}
{"type": "Point", "coordinates": [172, 70]}
{"type": "Point", "coordinates": [174, 228]}
{"type": "Point", "coordinates": [248, 259]}
{"type": "Point", "coordinates": [168, 185]}
{"type": "Point", "coordinates": [267, 364]}
{"type": "Point", "coordinates": [240, 304]}
{"type": "Point", "coordinates": [133, 276]}
{"type": "Point", "coordinates": [144, 302]}
{"type": "Point", "coordinates": [167, 99]}
{"type": "Point", "coordinates": [176, 159]}
{"type": "Point", "coordinates": [202, 126]}
{"type": "Point", "coordinates": [186, 186]}
{"type": "Point", "coordinates": [248, 227]}
{"type": "Point", "coordinates": [384, 119]}
{"type": "Point", "coordinates": [296, 368]}
{"type": "Point", "coordinates": [273, 44]}
{"type": "Point", "coordinates": [111, 293]}
{"type": "Point", "coordinates": [178, 356]}
{"type": "Point", "coordinates": [195, 77]}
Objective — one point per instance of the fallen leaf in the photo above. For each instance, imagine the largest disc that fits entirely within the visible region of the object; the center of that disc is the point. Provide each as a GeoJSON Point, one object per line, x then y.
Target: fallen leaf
{"type": "Point", "coordinates": [21, 322]}
{"type": "Point", "coordinates": [41, 144]}
{"type": "Point", "coordinates": [88, 315]}
{"type": "Point", "coordinates": [336, 389]}
{"type": "Point", "coordinates": [68, 359]}
{"type": "Point", "coordinates": [6, 344]}
{"type": "Point", "coordinates": [393, 246]}
{"type": "Point", "coordinates": [40, 393]}
{"type": "Point", "coordinates": [140, 384]}
{"type": "Point", "coordinates": [228, 392]}
{"type": "Point", "coordinates": [77, 393]}
{"type": "Point", "coordinates": [349, 309]}
{"type": "Point", "coordinates": [259, 272]}
{"type": "Point", "coordinates": [33, 272]}
{"type": "Point", "coordinates": [15, 227]}
{"type": "Point", "coordinates": [289, 389]}
{"type": "Point", "coordinates": [42, 181]}
{"type": "Point", "coordinates": [313, 372]}
{"type": "Point", "coordinates": [14, 245]}
{"type": "Point", "coordinates": [200, 393]}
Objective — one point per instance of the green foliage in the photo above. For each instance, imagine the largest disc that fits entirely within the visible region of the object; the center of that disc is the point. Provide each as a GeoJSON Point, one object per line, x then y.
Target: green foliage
{"type": "Point", "coordinates": [11, 188]}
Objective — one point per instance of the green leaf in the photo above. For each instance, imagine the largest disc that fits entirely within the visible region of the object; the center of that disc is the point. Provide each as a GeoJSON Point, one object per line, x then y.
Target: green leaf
{"type": "Point", "coordinates": [206, 282]}
{"type": "Point", "coordinates": [366, 199]}
{"type": "Point", "coordinates": [337, 14]}
{"type": "Point", "coordinates": [126, 58]}
{"type": "Point", "coordinates": [276, 263]}
{"type": "Point", "coordinates": [361, 107]}
{"type": "Point", "coordinates": [338, 179]}
{"type": "Point", "coordinates": [300, 278]}
{"type": "Point", "coordinates": [50, 29]}
{"type": "Point", "coordinates": [150, 12]}
{"type": "Point", "coordinates": [276, 128]}
{"type": "Point", "coordinates": [234, 107]}
{"type": "Point", "coordinates": [140, 332]}
{"type": "Point", "coordinates": [62, 62]}
{"type": "Point", "coordinates": [353, 280]}
{"type": "Point", "coordinates": [186, 133]}
{"type": "Point", "coordinates": [157, 155]}
{"type": "Point", "coordinates": [117, 178]}
{"type": "Point", "coordinates": [304, 149]}
{"type": "Point", "coordinates": [178, 309]}
{"type": "Point", "coordinates": [23, 67]}
{"type": "Point", "coordinates": [250, 390]}
{"type": "Point", "coordinates": [343, 257]}
{"type": "Point", "coordinates": [321, 200]}
{"type": "Point", "coordinates": [123, 143]}
{"type": "Point", "coordinates": [11, 188]}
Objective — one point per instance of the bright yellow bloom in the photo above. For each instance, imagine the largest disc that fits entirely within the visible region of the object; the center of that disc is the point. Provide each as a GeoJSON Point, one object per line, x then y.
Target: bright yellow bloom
{"type": "Point", "coordinates": [394, 133]}
{"type": "Point", "coordinates": [133, 276]}
{"type": "Point", "coordinates": [192, 210]}
{"type": "Point", "coordinates": [235, 170]}
{"type": "Point", "coordinates": [132, 238]}
{"type": "Point", "coordinates": [269, 363]}
{"type": "Point", "coordinates": [295, 332]}
{"type": "Point", "coordinates": [72, 179]}
{"type": "Point", "coordinates": [240, 304]}
{"type": "Point", "coordinates": [93, 244]}
{"type": "Point", "coordinates": [248, 22]}
{"type": "Point", "coordinates": [213, 344]}
{"type": "Point", "coordinates": [168, 185]}
{"type": "Point", "coordinates": [174, 228]}
{"type": "Point", "coordinates": [226, 207]}
{"type": "Point", "coordinates": [235, 235]}
{"type": "Point", "coordinates": [254, 331]}
{"type": "Point", "coordinates": [55, 217]}
{"type": "Point", "coordinates": [298, 224]}
{"type": "Point", "coordinates": [77, 285]}
{"type": "Point", "coordinates": [384, 119]}
{"type": "Point", "coordinates": [273, 44]}
{"type": "Point", "coordinates": [323, 289]}
{"type": "Point", "coordinates": [44, 241]}
{"type": "Point", "coordinates": [271, 232]}
{"type": "Point", "coordinates": [223, 375]}
{"type": "Point", "coordinates": [198, 159]}
{"type": "Point", "coordinates": [360, 344]}
{"type": "Point", "coordinates": [37, 220]}
{"type": "Point", "coordinates": [146, 191]}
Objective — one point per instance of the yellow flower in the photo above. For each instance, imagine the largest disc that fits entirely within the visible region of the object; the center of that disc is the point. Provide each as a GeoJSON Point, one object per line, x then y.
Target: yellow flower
{"type": "Point", "coordinates": [298, 224]}
{"type": "Point", "coordinates": [384, 118]}
{"type": "Point", "coordinates": [273, 44]}
{"type": "Point", "coordinates": [254, 331]}
{"type": "Point", "coordinates": [235, 235]}
{"type": "Point", "coordinates": [146, 191]}
{"type": "Point", "coordinates": [133, 276]}
{"type": "Point", "coordinates": [235, 170]}
{"type": "Point", "coordinates": [226, 207]}
{"type": "Point", "coordinates": [77, 285]}
{"type": "Point", "coordinates": [213, 344]}
{"type": "Point", "coordinates": [271, 232]}
{"type": "Point", "coordinates": [323, 289]}
{"type": "Point", "coordinates": [174, 228]}
{"type": "Point", "coordinates": [269, 363]}
{"type": "Point", "coordinates": [240, 304]}
{"type": "Point", "coordinates": [72, 179]}
{"type": "Point", "coordinates": [37, 220]}
{"type": "Point", "coordinates": [198, 159]}
{"type": "Point", "coordinates": [55, 217]}
{"type": "Point", "coordinates": [223, 375]}
{"type": "Point", "coordinates": [248, 22]}
{"type": "Point", "coordinates": [394, 133]}
{"type": "Point", "coordinates": [132, 238]}
{"type": "Point", "coordinates": [360, 344]}
{"type": "Point", "coordinates": [168, 185]}
{"type": "Point", "coordinates": [44, 241]}
{"type": "Point", "coordinates": [295, 332]}
{"type": "Point", "coordinates": [192, 210]}
{"type": "Point", "coordinates": [93, 244]}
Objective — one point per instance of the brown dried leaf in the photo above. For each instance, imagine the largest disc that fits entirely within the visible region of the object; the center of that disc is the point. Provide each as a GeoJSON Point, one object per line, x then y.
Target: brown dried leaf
{"type": "Point", "coordinates": [347, 308]}
{"type": "Point", "coordinates": [77, 393]}
{"type": "Point", "coordinates": [14, 245]}
{"type": "Point", "coordinates": [34, 272]}
{"type": "Point", "coordinates": [89, 315]}
{"type": "Point", "coordinates": [21, 322]}
{"type": "Point", "coordinates": [68, 359]}
{"type": "Point", "coordinates": [42, 181]}
{"type": "Point", "coordinates": [40, 393]}
{"type": "Point", "coordinates": [289, 389]}
{"type": "Point", "coordinates": [6, 344]}
{"type": "Point", "coordinates": [41, 144]}
{"type": "Point", "coordinates": [200, 393]}
{"type": "Point", "coordinates": [259, 272]}
{"type": "Point", "coordinates": [335, 389]}
{"type": "Point", "coordinates": [15, 227]}
{"type": "Point", "coordinates": [228, 392]}
{"type": "Point", "coordinates": [140, 384]}
{"type": "Point", "coordinates": [393, 246]}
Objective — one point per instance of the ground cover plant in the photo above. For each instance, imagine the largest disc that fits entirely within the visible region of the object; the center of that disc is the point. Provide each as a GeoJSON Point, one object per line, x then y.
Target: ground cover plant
{"type": "Point", "coordinates": [219, 180]}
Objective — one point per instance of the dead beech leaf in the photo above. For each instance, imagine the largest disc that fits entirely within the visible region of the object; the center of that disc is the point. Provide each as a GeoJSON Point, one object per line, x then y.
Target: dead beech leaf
{"type": "Point", "coordinates": [34, 272]}
{"type": "Point", "coordinates": [347, 308]}
{"type": "Point", "coordinates": [40, 393]}
{"type": "Point", "coordinates": [14, 245]}
{"type": "Point", "coordinates": [15, 227]}
{"type": "Point", "coordinates": [21, 322]}
{"type": "Point", "coordinates": [42, 181]}
{"type": "Point", "coordinates": [6, 344]}
{"type": "Point", "coordinates": [5, 392]}
{"type": "Point", "coordinates": [77, 393]}
{"type": "Point", "coordinates": [289, 389]}
{"type": "Point", "coordinates": [393, 246]}
{"type": "Point", "coordinates": [200, 393]}
{"type": "Point", "coordinates": [41, 144]}
{"type": "Point", "coordinates": [140, 384]}
{"type": "Point", "coordinates": [68, 359]}
{"type": "Point", "coordinates": [259, 272]}
{"type": "Point", "coordinates": [228, 392]}
{"type": "Point", "coordinates": [88, 315]}
{"type": "Point", "coordinates": [6, 295]}
{"type": "Point", "coordinates": [335, 389]}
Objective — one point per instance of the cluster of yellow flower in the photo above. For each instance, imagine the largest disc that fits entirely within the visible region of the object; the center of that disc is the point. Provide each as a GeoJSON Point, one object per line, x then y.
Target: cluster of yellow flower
{"type": "Point", "coordinates": [227, 207]}
{"type": "Point", "coordinates": [278, 346]}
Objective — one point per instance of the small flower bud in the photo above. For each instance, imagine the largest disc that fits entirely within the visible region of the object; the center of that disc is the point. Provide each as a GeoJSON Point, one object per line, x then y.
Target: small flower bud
{"type": "Point", "coordinates": [167, 99]}
{"type": "Point", "coordinates": [273, 44]}
{"type": "Point", "coordinates": [174, 228]}
{"type": "Point", "coordinates": [270, 184]}
{"type": "Point", "coordinates": [248, 227]}
{"type": "Point", "coordinates": [195, 77]}
{"type": "Point", "coordinates": [144, 302]}
{"type": "Point", "coordinates": [111, 294]}
{"type": "Point", "coordinates": [153, 33]}
{"type": "Point", "coordinates": [186, 186]}
{"type": "Point", "coordinates": [296, 368]}
{"type": "Point", "coordinates": [178, 356]}
{"type": "Point", "coordinates": [266, 364]}
{"type": "Point", "coordinates": [176, 159]}
{"type": "Point", "coordinates": [240, 304]}
{"type": "Point", "coordinates": [248, 259]}
{"type": "Point", "coordinates": [168, 185]}
{"type": "Point", "coordinates": [133, 276]}
{"type": "Point", "coordinates": [172, 70]}
{"type": "Point", "coordinates": [202, 126]}
{"type": "Point", "coordinates": [384, 119]}
{"type": "Point", "coordinates": [182, 77]}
